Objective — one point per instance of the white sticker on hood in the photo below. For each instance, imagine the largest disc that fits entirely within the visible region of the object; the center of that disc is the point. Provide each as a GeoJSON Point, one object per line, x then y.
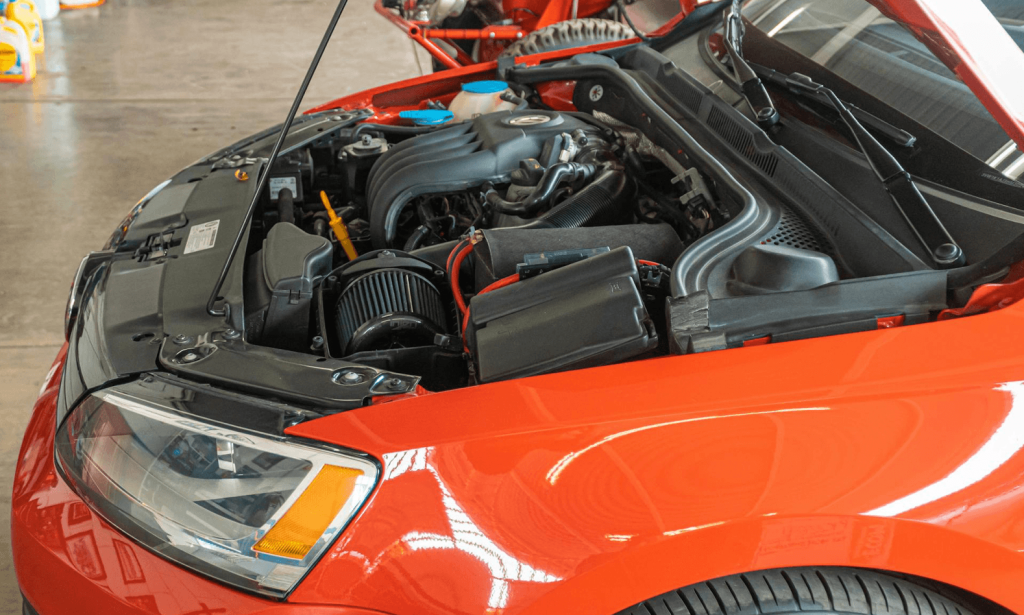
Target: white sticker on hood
{"type": "Point", "coordinates": [202, 237]}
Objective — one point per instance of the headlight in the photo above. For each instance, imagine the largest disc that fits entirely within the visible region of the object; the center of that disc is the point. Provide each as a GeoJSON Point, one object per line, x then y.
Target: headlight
{"type": "Point", "coordinates": [248, 509]}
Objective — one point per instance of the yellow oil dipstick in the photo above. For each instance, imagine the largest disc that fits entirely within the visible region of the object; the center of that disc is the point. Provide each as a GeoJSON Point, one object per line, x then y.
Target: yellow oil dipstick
{"type": "Point", "coordinates": [340, 230]}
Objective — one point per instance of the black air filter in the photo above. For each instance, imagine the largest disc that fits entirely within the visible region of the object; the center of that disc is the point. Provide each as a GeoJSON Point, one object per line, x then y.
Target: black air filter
{"type": "Point", "coordinates": [388, 308]}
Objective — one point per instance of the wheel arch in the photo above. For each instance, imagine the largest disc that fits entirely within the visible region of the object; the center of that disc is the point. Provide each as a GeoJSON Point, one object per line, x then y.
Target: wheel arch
{"type": "Point", "coordinates": [975, 572]}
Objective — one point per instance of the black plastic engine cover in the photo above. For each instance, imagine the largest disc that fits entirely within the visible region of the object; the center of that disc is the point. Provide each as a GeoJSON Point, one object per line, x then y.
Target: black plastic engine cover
{"type": "Point", "coordinates": [485, 149]}
{"type": "Point", "coordinates": [280, 286]}
{"type": "Point", "coordinates": [586, 314]}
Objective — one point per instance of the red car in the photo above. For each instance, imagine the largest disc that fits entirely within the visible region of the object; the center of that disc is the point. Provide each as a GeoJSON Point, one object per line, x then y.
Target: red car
{"type": "Point", "coordinates": [721, 322]}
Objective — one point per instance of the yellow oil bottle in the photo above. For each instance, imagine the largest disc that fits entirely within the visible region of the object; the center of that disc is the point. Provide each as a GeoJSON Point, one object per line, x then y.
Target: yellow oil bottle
{"type": "Point", "coordinates": [24, 12]}
{"type": "Point", "coordinates": [80, 4]}
{"type": "Point", "coordinates": [17, 62]}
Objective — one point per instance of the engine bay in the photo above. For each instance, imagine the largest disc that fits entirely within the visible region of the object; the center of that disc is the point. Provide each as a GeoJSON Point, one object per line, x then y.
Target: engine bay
{"type": "Point", "coordinates": [446, 220]}
{"type": "Point", "coordinates": [534, 240]}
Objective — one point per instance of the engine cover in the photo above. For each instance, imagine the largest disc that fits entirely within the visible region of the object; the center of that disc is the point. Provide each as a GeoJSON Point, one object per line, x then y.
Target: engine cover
{"type": "Point", "coordinates": [586, 314]}
{"type": "Point", "coordinates": [466, 155]}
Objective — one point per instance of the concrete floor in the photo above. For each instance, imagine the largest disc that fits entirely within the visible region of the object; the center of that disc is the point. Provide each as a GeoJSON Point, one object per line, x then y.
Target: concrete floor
{"type": "Point", "coordinates": [127, 94]}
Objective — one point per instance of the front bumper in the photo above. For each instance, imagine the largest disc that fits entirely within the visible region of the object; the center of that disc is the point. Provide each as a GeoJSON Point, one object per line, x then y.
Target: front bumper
{"type": "Point", "coordinates": [68, 560]}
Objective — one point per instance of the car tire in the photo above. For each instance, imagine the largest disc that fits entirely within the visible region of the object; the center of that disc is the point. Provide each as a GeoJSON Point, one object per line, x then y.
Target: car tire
{"type": "Point", "coordinates": [566, 34]}
{"type": "Point", "coordinates": [796, 591]}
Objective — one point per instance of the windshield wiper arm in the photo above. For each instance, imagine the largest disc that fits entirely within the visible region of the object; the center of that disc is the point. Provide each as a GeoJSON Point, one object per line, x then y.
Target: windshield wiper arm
{"type": "Point", "coordinates": [919, 215]}
{"type": "Point", "coordinates": [751, 87]}
{"type": "Point", "coordinates": [894, 133]}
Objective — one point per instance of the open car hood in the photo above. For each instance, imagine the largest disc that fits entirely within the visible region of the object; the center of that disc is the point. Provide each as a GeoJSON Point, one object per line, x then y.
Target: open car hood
{"type": "Point", "coordinates": [966, 37]}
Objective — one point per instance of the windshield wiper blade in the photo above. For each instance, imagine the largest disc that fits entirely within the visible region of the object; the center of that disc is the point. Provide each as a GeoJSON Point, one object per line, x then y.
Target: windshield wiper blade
{"type": "Point", "coordinates": [751, 87]}
{"type": "Point", "coordinates": [893, 133]}
{"type": "Point", "coordinates": [919, 215]}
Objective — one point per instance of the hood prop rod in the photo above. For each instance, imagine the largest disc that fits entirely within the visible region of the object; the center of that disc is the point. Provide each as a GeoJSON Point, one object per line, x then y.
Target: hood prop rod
{"type": "Point", "coordinates": [265, 176]}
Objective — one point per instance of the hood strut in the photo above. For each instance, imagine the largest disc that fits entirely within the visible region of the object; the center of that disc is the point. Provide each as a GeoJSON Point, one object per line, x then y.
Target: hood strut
{"type": "Point", "coordinates": [265, 176]}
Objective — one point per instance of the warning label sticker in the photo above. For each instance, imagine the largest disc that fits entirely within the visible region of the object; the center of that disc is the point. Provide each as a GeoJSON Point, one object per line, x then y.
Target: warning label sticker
{"type": "Point", "coordinates": [202, 237]}
{"type": "Point", "coordinates": [277, 184]}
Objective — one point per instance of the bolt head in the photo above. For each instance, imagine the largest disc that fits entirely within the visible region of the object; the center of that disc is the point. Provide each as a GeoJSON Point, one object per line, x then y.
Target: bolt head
{"type": "Point", "coordinates": [189, 357]}
{"type": "Point", "coordinates": [182, 339]}
{"type": "Point", "coordinates": [395, 384]}
{"type": "Point", "coordinates": [350, 378]}
{"type": "Point", "coordinates": [948, 253]}
{"type": "Point", "coordinates": [232, 334]}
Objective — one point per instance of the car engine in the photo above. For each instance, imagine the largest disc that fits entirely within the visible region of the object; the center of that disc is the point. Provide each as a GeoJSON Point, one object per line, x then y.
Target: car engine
{"type": "Point", "coordinates": [517, 243]}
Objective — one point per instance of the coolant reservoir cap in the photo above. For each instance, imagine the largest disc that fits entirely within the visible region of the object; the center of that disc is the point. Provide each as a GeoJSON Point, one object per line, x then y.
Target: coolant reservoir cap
{"type": "Point", "coordinates": [427, 117]}
{"type": "Point", "coordinates": [484, 87]}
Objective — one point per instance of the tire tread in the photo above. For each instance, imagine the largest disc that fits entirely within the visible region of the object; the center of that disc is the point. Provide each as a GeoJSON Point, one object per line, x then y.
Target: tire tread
{"type": "Point", "coordinates": [569, 33]}
{"type": "Point", "coordinates": [794, 591]}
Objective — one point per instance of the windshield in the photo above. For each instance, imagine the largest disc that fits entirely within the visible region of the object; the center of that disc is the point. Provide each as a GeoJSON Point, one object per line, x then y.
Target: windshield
{"type": "Point", "coordinates": [856, 42]}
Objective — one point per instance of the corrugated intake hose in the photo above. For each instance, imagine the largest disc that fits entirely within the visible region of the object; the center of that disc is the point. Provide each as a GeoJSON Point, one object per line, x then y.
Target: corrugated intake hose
{"type": "Point", "coordinates": [606, 200]}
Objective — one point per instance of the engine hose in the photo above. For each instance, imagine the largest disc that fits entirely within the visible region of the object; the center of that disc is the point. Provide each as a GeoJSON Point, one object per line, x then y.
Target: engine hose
{"type": "Point", "coordinates": [519, 102]}
{"type": "Point", "coordinates": [394, 130]}
{"type": "Point", "coordinates": [286, 206]}
{"type": "Point", "coordinates": [320, 225]}
{"type": "Point", "coordinates": [602, 202]}
{"type": "Point", "coordinates": [553, 176]}
{"type": "Point", "coordinates": [417, 238]}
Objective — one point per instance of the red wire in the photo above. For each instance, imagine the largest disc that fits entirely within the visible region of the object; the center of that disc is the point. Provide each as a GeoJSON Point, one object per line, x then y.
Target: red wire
{"type": "Point", "coordinates": [456, 268]}
{"type": "Point", "coordinates": [451, 255]}
{"type": "Point", "coordinates": [649, 263]}
{"type": "Point", "coordinates": [502, 283]}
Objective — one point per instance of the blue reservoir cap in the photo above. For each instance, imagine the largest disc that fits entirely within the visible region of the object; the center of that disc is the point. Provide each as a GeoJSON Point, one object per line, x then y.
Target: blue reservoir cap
{"type": "Point", "coordinates": [427, 117]}
{"type": "Point", "coordinates": [484, 87]}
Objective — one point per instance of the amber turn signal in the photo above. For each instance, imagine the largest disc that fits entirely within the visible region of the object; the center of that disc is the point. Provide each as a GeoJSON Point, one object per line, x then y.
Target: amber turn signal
{"type": "Point", "coordinates": [309, 517]}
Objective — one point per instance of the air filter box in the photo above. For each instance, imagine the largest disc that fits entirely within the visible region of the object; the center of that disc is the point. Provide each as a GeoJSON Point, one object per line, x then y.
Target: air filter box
{"type": "Point", "coordinates": [280, 286]}
{"type": "Point", "coordinates": [582, 315]}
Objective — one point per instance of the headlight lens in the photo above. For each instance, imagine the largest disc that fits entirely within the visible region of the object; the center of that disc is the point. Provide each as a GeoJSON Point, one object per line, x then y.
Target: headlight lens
{"type": "Point", "coordinates": [248, 509]}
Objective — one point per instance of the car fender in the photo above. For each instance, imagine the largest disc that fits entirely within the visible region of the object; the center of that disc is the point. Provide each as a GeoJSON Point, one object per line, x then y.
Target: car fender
{"type": "Point", "coordinates": [629, 480]}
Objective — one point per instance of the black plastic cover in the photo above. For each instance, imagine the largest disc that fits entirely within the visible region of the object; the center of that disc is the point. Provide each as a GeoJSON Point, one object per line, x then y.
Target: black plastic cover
{"type": "Point", "coordinates": [586, 314]}
{"type": "Point", "coordinates": [291, 262]}
{"type": "Point", "coordinates": [761, 269]}
{"type": "Point", "coordinates": [699, 323]}
{"type": "Point", "coordinates": [535, 264]}
{"type": "Point", "coordinates": [501, 251]}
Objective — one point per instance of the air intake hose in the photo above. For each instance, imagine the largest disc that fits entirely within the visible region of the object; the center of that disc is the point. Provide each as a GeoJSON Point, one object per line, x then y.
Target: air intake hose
{"type": "Point", "coordinates": [553, 177]}
{"type": "Point", "coordinates": [605, 201]}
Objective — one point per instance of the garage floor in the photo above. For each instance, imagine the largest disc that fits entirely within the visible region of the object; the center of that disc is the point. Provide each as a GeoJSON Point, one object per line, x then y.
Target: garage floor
{"type": "Point", "coordinates": [127, 94]}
